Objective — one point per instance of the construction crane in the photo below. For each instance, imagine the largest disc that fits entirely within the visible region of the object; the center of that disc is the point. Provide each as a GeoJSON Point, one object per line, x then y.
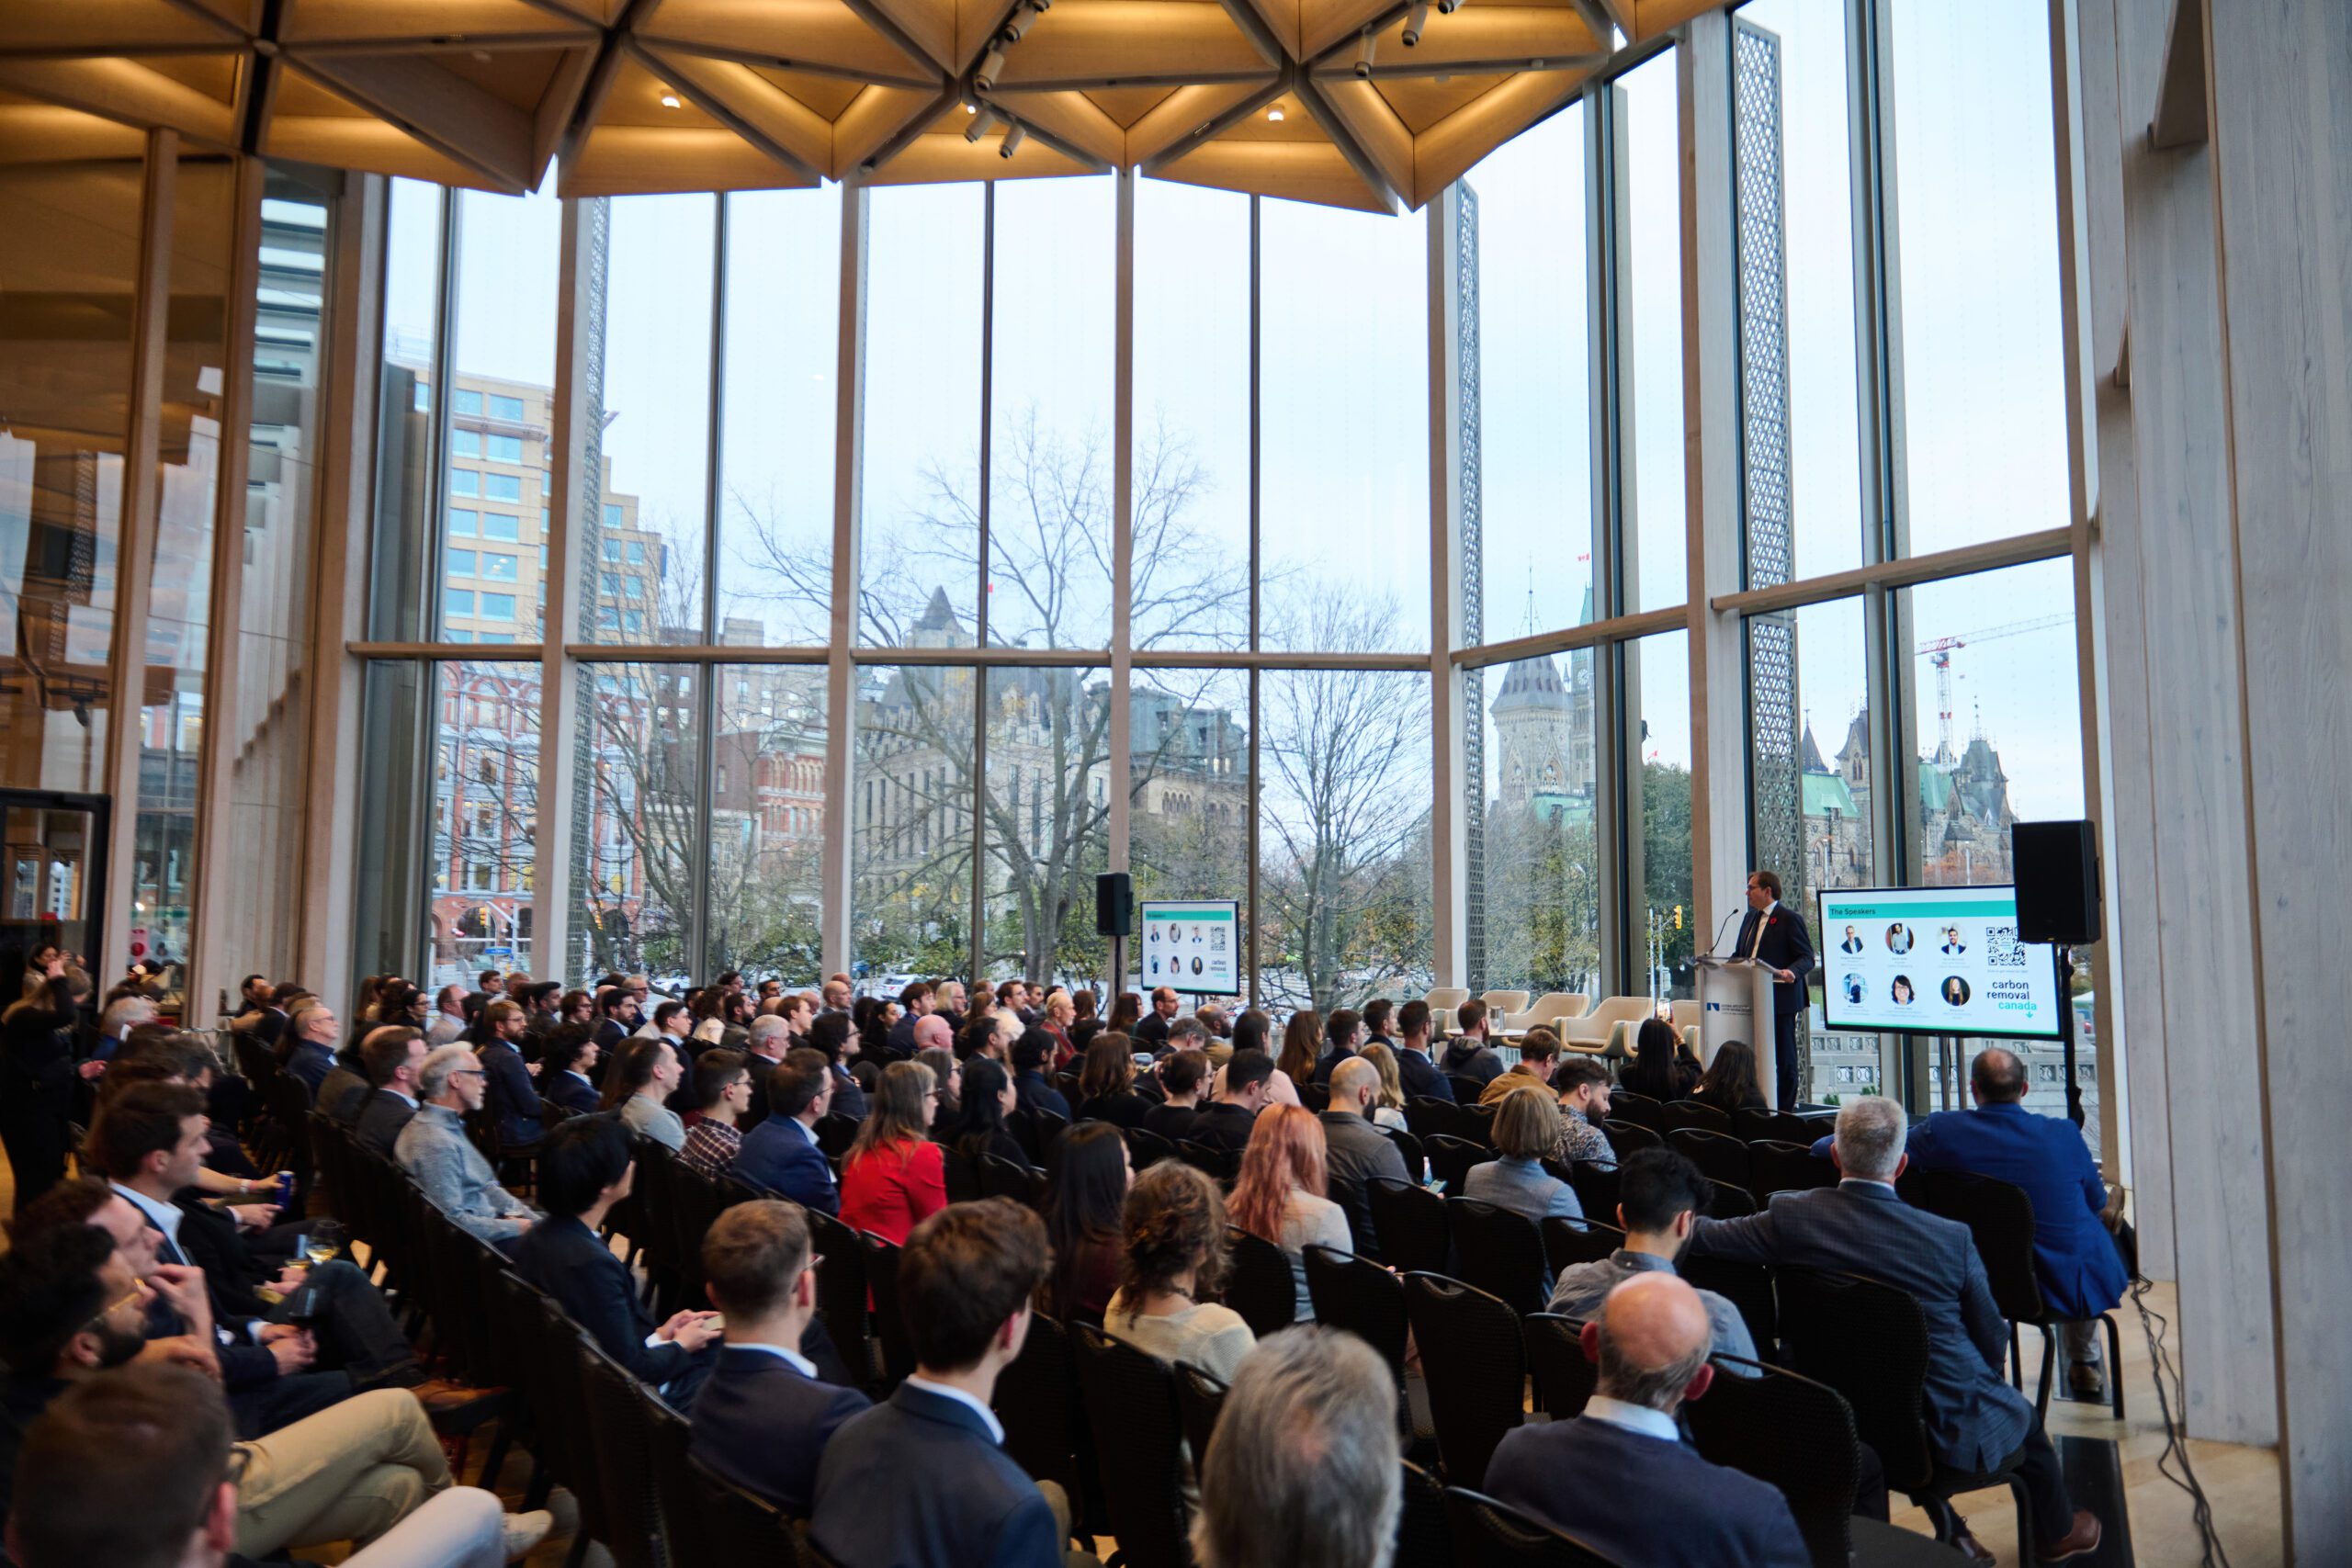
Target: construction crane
{"type": "Point", "coordinates": [1939, 652]}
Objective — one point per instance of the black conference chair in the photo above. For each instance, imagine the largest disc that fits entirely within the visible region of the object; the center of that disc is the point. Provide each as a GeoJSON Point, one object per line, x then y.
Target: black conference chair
{"type": "Point", "coordinates": [840, 1293]}
{"type": "Point", "coordinates": [1681, 1113]}
{"type": "Point", "coordinates": [1472, 1356]}
{"type": "Point", "coordinates": [1500, 1251]}
{"type": "Point", "coordinates": [1412, 1223]}
{"type": "Point", "coordinates": [1786, 1168]}
{"type": "Point", "coordinates": [1147, 1148]}
{"type": "Point", "coordinates": [1556, 1355]}
{"type": "Point", "coordinates": [1199, 1399]}
{"type": "Point", "coordinates": [1718, 1155]}
{"type": "Point", "coordinates": [889, 1318]}
{"type": "Point", "coordinates": [1596, 1186]}
{"type": "Point", "coordinates": [1567, 1244]}
{"type": "Point", "coordinates": [1628, 1138]}
{"type": "Point", "coordinates": [1640, 1110]}
{"type": "Point", "coordinates": [1261, 1286]}
{"type": "Point", "coordinates": [1488, 1534]}
{"type": "Point", "coordinates": [1360, 1296]}
{"type": "Point", "coordinates": [1451, 1158]}
{"type": "Point", "coordinates": [1424, 1537]}
{"type": "Point", "coordinates": [1045, 1429]}
{"type": "Point", "coordinates": [1130, 1400]}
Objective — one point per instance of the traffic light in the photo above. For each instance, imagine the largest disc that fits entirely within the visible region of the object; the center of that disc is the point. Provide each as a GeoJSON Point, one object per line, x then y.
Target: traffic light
{"type": "Point", "coordinates": [1678, 916]}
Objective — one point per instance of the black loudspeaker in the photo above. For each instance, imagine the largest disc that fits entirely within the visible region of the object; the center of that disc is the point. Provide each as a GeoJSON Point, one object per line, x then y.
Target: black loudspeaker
{"type": "Point", "coordinates": [1114, 904]}
{"type": "Point", "coordinates": [2057, 873]}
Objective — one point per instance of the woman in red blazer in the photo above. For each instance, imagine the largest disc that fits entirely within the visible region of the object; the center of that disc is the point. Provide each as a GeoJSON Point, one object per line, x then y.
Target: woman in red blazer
{"type": "Point", "coordinates": [893, 1178]}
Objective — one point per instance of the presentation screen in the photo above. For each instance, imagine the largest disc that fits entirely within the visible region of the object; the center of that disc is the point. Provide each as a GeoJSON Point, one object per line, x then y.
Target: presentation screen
{"type": "Point", "coordinates": [1935, 961]}
{"type": "Point", "coordinates": [1192, 944]}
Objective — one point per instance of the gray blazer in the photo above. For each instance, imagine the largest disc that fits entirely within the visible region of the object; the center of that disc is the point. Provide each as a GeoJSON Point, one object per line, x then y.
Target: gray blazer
{"type": "Point", "coordinates": [1974, 1419]}
{"type": "Point", "coordinates": [1523, 1187]}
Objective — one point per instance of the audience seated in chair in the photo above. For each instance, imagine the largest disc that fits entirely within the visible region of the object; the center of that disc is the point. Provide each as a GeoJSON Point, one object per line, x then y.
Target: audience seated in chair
{"type": "Point", "coordinates": [567, 1061]}
{"type": "Point", "coordinates": [922, 1481]}
{"type": "Point", "coordinates": [1975, 1421]}
{"type": "Point", "coordinates": [442, 1160]}
{"type": "Point", "coordinates": [1466, 1054]}
{"type": "Point", "coordinates": [1303, 1470]}
{"type": "Point", "coordinates": [648, 1075]}
{"type": "Point", "coordinates": [1343, 1036]}
{"type": "Point", "coordinates": [1279, 1196]}
{"type": "Point", "coordinates": [1659, 1194]}
{"type": "Point", "coordinates": [722, 1091]}
{"type": "Point", "coordinates": [1526, 1132]}
{"type": "Point", "coordinates": [1581, 1084]}
{"type": "Point", "coordinates": [1175, 1260]}
{"type": "Point", "coordinates": [584, 1170]}
{"type": "Point", "coordinates": [1619, 1477]}
{"type": "Point", "coordinates": [1730, 1083]}
{"type": "Point", "coordinates": [781, 1154]}
{"type": "Point", "coordinates": [1084, 1205]}
{"type": "Point", "coordinates": [1539, 1055]}
{"type": "Point", "coordinates": [1183, 1079]}
{"type": "Point", "coordinates": [1420, 1076]}
{"type": "Point", "coordinates": [1357, 1154]}
{"type": "Point", "coordinates": [394, 1057]}
{"type": "Point", "coordinates": [764, 1416]}
{"type": "Point", "coordinates": [1662, 1067]}
{"type": "Point", "coordinates": [1245, 1085]}
{"type": "Point", "coordinates": [894, 1177]}
{"type": "Point", "coordinates": [513, 1100]}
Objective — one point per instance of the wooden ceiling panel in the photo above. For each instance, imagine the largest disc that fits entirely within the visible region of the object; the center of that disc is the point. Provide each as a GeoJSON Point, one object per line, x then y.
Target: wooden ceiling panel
{"type": "Point", "coordinates": [801, 35]}
{"type": "Point", "coordinates": [109, 27]}
{"type": "Point", "coordinates": [417, 24]}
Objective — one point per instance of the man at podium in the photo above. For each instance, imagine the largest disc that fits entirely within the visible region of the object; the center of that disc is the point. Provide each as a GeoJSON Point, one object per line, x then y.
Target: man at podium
{"type": "Point", "coordinates": [1775, 935]}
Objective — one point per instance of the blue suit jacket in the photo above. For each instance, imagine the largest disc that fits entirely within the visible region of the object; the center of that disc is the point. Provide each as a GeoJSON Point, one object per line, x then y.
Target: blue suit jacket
{"type": "Point", "coordinates": [763, 1426]}
{"type": "Point", "coordinates": [1417, 1074]}
{"type": "Point", "coordinates": [1974, 1419]}
{"type": "Point", "coordinates": [777, 1155]}
{"type": "Point", "coordinates": [564, 1088]}
{"type": "Point", "coordinates": [572, 1263]}
{"type": "Point", "coordinates": [1638, 1499]}
{"type": "Point", "coordinates": [2076, 1259]}
{"type": "Point", "coordinates": [514, 1100]}
{"type": "Point", "coordinates": [918, 1482]}
{"type": "Point", "coordinates": [1037, 1094]}
{"type": "Point", "coordinates": [381, 1117]}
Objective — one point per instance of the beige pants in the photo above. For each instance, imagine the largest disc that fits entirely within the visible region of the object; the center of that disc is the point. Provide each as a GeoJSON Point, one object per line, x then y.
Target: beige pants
{"type": "Point", "coordinates": [350, 1472]}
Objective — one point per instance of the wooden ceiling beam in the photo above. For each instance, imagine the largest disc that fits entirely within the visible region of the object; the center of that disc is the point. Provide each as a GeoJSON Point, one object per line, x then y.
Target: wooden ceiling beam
{"type": "Point", "coordinates": [439, 108]}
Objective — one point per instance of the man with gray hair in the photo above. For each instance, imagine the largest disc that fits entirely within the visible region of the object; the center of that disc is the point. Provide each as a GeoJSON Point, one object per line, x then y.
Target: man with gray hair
{"type": "Point", "coordinates": [1975, 1421]}
{"type": "Point", "coordinates": [123, 1015]}
{"type": "Point", "coordinates": [1302, 1472]}
{"type": "Point", "coordinates": [1618, 1477]}
{"type": "Point", "coordinates": [434, 1150]}
{"type": "Point", "coordinates": [769, 1038]}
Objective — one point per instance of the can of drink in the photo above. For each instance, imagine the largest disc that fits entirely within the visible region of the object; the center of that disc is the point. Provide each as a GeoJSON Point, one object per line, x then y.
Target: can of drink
{"type": "Point", "coordinates": [285, 1190]}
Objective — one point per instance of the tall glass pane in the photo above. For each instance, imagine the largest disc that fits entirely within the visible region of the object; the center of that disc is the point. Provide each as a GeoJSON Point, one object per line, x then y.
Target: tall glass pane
{"type": "Point", "coordinates": [65, 417]}
{"type": "Point", "coordinates": [655, 403]}
{"type": "Point", "coordinates": [171, 740]}
{"type": "Point", "coordinates": [501, 418]}
{"type": "Point", "coordinates": [1799, 411]}
{"type": "Point", "coordinates": [1983, 387]}
{"type": "Point", "coordinates": [639, 866]}
{"type": "Point", "coordinates": [481, 856]}
{"type": "Point", "coordinates": [1343, 849]}
{"type": "Point", "coordinates": [1192, 398]}
{"type": "Point", "coordinates": [1189, 786]}
{"type": "Point", "coordinates": [1050, 397]}
{"type": "Point", "coordinates": [1811, 779]}
{"type": "Point", "coordinates": [768, 822]}
{"type": "Point", "coordinates": [1649, 275]}
{"type": "Point", "coordinates": [1047, 829]}
{"type": "Point", "coordinates": [780, 345]}
{"type": "Point", "coordinates": [1528, 413]}
{"type": "Point", "coordinates": [1536, 883]}
{"type": "Point", "coordinates": [268, 718]}
{"type": "Point", "coordinates": [911, 822]}
{"type": "Point", "coordinates": [399, 603]}
{"type": "Point", "coordinates": [919, 554]}
{"type": "Point", "coordinates": [1999, 738]}
{"type": "Point", "coordinates": [1345, 498]}
{"type": "Point", "coordinates": [1658, 794]}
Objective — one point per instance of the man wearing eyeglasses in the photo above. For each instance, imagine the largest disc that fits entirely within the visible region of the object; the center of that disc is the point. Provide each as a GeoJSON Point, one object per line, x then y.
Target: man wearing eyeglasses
{"type": "Point", "coordinates": [434, 1150]}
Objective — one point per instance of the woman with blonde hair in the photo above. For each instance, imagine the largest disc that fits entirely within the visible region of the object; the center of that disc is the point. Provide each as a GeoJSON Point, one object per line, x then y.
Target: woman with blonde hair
{"type": "Point", "coordinates": [1388, 1105]}
{"type": "Point", "coordinates": [1279, 1196]}
{"type": "Point", "coordinates": [1526, 1129]}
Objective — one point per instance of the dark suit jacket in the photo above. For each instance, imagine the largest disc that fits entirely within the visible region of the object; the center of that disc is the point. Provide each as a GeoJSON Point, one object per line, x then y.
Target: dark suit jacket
{"type": "Point", "coordinates": [343, 1095]}
{"type": "Point", "coordinates": [1974, 1419]}
{"type": "Point", "coordinates": [760, 1068]}
{"type": "Point", "coordinates": [512, 1099]}
{"type": "Point", "coordinates": [311, 1062]}
{"type": "Point", "coordinates": [918, 1482]}
{"type": "Point", "coordinates": [777, 1155]}
{"type": "Point", "coordinates": [1129, 1110]}
{"type": "Point", "coordinates": [1354, 1153]}
{"type": "Point", "coordinates": [572, 1263]}
{"type": "Point", "coordinates": [763, 1425]}
{"type": "Point", "coordinates": [1417, 1074]}
{"type": "Point", "coordinates": [1331, 1057]}
{"type": "Point", "coordinates": [1636, 1498]}
{"type": "Point", "coordinates": [1151, 1028]}
{"type": "Point", "coordinates": [210, 1239]}
{"type": "Point", "coordinates": [1785, 945]}
{"type": "Point", "coordinates": [567, 1088]}
{"type": "Point", "coordinates": [269, 1026]}
{"type": "Point", "coordinates": [849, 1097]}
{"type": "Point", "coordinates": [1037, 1094]}
{"type": "Point", "coordinates": [902, 1035]}
{"type": "Point", "coordinates": [382, 1118]}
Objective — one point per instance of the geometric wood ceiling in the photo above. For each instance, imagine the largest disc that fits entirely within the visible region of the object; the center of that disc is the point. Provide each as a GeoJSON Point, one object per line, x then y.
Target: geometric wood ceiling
{"type": "Point", "coordinates": [1317, 100]}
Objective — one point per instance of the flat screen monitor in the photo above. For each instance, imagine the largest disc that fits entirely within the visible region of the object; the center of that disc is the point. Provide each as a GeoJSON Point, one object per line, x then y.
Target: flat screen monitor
{"type": "Point", "coordinates": [1935, 961]}
{"type": "Point", "coordinates": [1191, 945]}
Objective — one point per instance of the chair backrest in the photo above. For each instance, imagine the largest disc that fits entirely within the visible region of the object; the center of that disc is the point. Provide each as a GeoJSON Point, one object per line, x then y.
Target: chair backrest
{"type": "Point", "coordinates": [1729, 1202]}
{"type": "Point", "coordinates": [1424, 1538]}
{"type": "Point", "coordinates": [1556, 1355]}
{"type": "Point", "coordinates": [1999, 1217]}
{"type": "Point", "coordinates": [1145, 1147]}
{"type": "Point", "coordinates": [1600, 1023]}
{"type": "Point", "coordinates": [1869, 1341]}
{"type": "Point", "coordinates": [1200, 1399]}
{"type": "Point", "coordinates": [1775, 1167]}
{"type": "Point", "coordinates": [1719, 1155]}
{"type": "Point", "coordinates": [1411, 1221]}
{"type": "Point", "coordinates": [1466, 1087]}
{"type": "Point", "coordinates": [1358, 1295]}
{"type": "Point", "coordinates": [1693, 1113]}
{"type": "Point", "coordinates": [1315, 1096]}
{"type": "Point", "coordinates": [835, 1133]}
{"type": "Point", "coordinates": [1553, 1008]}
{"type": "Point", "coordinates": [1626, 1138]}
{"type": "Point", "coordinates": [1409, 1148]}
{"type": "Point", "coordinates": [1498, 1250]}
{"type": "Point", "coordinates": [1261, 1286]}
{"type": "Point", "coordinates": [624, 1458]}
{"type": "Point", "coordinates": [1218, 1165]}
{"type": "Point", "coordinates": [1596, 1186]}
{"type": "Point", "coordinates": [1640, 1110]}
{"type": "Point", "coordinates": [1451, 1158]}
{"type": "Point", "coordinates": [889, 1317]}
{"type": "Point", "coordinates": [1476, 1367]}
{"type": "Point", "coordinates": [999, 1177]}
{"type": "Point", "coordinates": [1426, 1113]}
{"type": "Point", "coordinates": [1130, 1400]}
{"type": "Point", "coordinates": [1793, 1432]}
{"type": "Point", "coordinates": [840, 1292]}
{"type": "Point", "coordinates": [1444, 997]}
{"type": "Point", "coordinates": [1780, 1126]}
{"type": "Point", "coordinates": [558, 1400]}
{"type": "Point", "coordinates": [1567, 1244]}
{"type": "Point", "coordinates": [685, 1517]}
{"type": "Point", "coordinates": [1488, 1534]}
{"type": "Point", "coordinates": [1748, 1286]}
{"type": "Point", "coordinates": [741, 1527]}
{"type": "Point", "coordinates": [1505, 1007]}
{"type": "Point", "coordinates": [1044, 1425]}
{"type": "Point", "coordinates": [963, 1182]}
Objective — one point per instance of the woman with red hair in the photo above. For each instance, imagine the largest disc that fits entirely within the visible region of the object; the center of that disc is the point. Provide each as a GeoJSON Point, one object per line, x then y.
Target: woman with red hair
{"type": "Point", "coordinates": [1278, 1196]}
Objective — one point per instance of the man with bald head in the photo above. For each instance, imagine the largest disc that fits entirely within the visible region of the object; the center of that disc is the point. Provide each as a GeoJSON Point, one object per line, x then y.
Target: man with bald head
{"type": "Point", "coordinates": [931, 1032]}
{"type": "Point", "coordinates": [1619, 1477]}
{"type": "Point", "coordinates": [1355, 1152]}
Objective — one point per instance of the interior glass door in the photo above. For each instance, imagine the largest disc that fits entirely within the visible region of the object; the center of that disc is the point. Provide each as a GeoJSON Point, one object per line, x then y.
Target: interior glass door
{"type": "Point", "coordinates": [56, 877]}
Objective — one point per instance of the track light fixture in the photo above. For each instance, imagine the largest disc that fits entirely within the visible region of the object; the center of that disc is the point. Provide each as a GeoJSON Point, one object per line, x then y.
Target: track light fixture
{"type": "Point", "coordinates": [990, 67]}
{"type": "Point", "coordinates": [1447, 8]}
{"type": "Point", "coordinates": [1363, 53]}
{"type": "Point", "coordinates": [1415, 20]}
{"type": "Point", "coordinates": [1015, 135]}
{"type": "Point", "coordinates": [983, 117]}
{"type": "Point", "coordinates": [1024, 16]}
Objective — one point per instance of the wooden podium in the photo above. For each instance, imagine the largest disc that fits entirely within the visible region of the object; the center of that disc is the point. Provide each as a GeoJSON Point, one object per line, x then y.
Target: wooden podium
{"type": "Point", "coordinates": [1735, 1003]}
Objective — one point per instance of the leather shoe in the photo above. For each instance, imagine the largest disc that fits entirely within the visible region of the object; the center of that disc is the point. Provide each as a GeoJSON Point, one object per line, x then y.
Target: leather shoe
{"type": "Point", "coordinates": [2083, 1537]}
{"type": "Point", "coordinates": [439, 1396]}
{"type": "Point", "coordinates": [2087, 1379]}
{"type": "Point", "coordinates": [1967, 1545]}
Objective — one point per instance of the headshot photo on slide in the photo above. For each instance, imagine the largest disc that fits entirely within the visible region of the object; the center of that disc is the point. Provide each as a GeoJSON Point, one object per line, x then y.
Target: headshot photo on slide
{"type": "Point", "coordinates": [1901, 990]}
{"type": "Point", "coordinates": [1955, 991]}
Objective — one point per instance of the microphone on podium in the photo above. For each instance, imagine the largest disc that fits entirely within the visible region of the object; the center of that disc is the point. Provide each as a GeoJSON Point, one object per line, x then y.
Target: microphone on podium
{"type": "Point", "coordinates": [1719, 936]}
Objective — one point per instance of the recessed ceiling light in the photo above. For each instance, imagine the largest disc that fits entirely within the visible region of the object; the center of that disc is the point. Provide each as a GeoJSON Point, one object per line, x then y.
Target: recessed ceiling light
{"type": "Point", "coordinates": [1276, 113]}
{"type": "Point", "coordinates": [971, 108]}
{"type": "Point", "coordinates": [669, 101]}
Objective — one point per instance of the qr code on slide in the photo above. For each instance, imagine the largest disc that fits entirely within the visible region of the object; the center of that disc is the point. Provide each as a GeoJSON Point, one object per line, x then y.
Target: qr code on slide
{"type": "Point", "coordinates": [2002, 949]}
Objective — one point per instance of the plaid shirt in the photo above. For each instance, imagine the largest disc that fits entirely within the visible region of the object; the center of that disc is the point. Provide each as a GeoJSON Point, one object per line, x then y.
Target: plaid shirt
{"type": "Point", "coordinates": [710, 1147]}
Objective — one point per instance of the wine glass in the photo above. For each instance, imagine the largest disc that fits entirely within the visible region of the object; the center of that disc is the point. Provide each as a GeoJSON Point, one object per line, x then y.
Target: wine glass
{"type": "Point", "coordinates": [323, 1242]}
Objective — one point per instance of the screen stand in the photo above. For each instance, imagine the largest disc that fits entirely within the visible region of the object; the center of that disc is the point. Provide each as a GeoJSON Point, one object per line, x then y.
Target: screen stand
{"type": "Point", "coordinates": [2067, 1032]}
